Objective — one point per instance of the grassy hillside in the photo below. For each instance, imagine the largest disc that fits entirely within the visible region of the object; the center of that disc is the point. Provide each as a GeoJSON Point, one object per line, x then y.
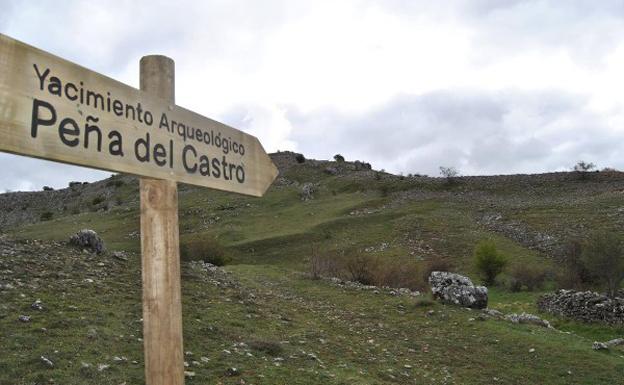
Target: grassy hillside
{"type": "Point", "coordinates": [265, 317]}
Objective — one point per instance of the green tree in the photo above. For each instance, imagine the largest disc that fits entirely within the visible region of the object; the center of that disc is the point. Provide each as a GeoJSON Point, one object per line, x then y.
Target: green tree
{"type": "Point", "coordinates": [339, 158]}
{"type": "Point", "coordinates": [603, 256]}
{"type": "Point", "coordinates": [489, 261]}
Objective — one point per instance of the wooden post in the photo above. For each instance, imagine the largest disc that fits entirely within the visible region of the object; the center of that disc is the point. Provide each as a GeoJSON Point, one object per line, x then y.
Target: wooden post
{"type": "Point", "coordinates": [162, 306]}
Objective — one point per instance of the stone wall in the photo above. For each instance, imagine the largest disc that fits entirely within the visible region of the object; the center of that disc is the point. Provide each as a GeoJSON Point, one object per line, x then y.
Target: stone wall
{"type": "Point", "coordinates": [585, 306]}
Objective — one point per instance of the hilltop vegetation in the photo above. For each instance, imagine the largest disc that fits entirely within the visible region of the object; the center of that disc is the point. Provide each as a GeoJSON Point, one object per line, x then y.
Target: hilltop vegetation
{"type": "Point", "coordinates": [263, 315]}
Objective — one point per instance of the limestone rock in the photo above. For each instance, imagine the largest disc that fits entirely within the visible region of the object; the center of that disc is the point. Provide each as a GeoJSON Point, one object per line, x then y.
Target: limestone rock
{"type": "Point", "coordinates": [526, 318]}
{"type": "Point", "coordinates": [608, 344]}
{"type": "Point", "coordinates": [307, 192]}
{"type": "Point", "coordinates": [88, 239]}
{"type": "Point", "coordinates": [458, 290]}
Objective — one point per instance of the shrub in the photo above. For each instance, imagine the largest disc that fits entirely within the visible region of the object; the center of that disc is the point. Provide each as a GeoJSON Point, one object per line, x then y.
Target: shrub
{"type": "Point", "coordinates": [300, 158]}
{"type": "Point", "coordinates": [582, 168]}
{"type": "Point", "coordinates": [46, 216]}
{"type": "Point", "coordinates": [115, 183]}
{"type": "Point", "coordinates": [360, 268]}
{"type": "Point", "coordinates": [435, 264]}
{"type": "Point", "coordinates": [524, 276]}
{"type": "Point", "coordinates": [339, 158]}
{"type": "Point", "coordinates": [207, 250]}
{"type": "Point", "coordinates": [450, 173]}
{"type": "Point", "coordinates": [97, 200]}
{"type": "Point", "coordinates": [488, 261]}
{"type": "Point", "coordinates": [269, 347]}
{"type": "Point", "coordinates": [603, 256]}
{"type": "Point", "coordinates": [321, 264]}
{"type": "Point", "coordinates": [398, 274]}
{"type": "Point", "coordinates": [574, 274]}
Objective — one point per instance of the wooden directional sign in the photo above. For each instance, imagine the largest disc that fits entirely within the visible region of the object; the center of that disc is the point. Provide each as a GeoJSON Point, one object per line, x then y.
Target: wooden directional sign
{"type": "Point", "coordinates": [53, 109]}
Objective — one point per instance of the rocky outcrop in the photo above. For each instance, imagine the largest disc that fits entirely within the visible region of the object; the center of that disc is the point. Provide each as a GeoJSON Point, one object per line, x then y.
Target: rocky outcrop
{"type": "Point", "coordinates": [88, 239]}
{"type": "Point", "coordinates": [607, 345]}
{"type": "Point", "coordinates": [307, 192]}
{"type": "Point", "coordinates": [458, 290]}
{"type": "Point", "coordinates": [585, 306]}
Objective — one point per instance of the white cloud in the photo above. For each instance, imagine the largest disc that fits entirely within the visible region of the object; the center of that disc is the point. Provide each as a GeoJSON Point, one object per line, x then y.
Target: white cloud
{"type": "Point", "coordinates": [293, 71]}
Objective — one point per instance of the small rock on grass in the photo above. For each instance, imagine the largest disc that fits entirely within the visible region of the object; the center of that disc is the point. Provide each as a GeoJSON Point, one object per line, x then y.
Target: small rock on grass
{"type": "Point", "coordinates": [47, 362]}
{"type": "Point", "coordinates": [606, 345]}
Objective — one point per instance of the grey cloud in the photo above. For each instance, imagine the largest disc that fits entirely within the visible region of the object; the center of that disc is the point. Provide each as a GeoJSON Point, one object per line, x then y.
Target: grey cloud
{"type": "Point", "coordinates": [479, 132]}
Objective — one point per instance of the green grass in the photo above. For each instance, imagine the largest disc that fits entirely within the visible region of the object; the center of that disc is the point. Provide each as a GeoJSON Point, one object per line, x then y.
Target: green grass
{"type": "Point", "coordinates": [358, 337]}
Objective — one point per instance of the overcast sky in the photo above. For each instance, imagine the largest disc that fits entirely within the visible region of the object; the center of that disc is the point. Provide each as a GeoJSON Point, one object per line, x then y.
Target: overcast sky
{"type": "Point", "coordinates": [488, 87]}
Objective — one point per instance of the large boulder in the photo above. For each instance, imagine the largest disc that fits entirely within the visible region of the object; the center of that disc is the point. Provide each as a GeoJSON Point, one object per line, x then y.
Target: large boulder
{"type": "Point", "coordinates": [307, 192]}
{"type": "Point", "coordinates": [88, 239]}
{"type": "Point", "coordinates": [457, 290]}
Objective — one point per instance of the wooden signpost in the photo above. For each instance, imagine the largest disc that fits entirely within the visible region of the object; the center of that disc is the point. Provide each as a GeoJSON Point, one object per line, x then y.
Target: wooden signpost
{"type": "Point", "coordinates": [53, 109]}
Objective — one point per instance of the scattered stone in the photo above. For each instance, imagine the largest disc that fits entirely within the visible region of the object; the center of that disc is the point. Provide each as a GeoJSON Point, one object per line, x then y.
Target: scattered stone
{"type": "Point", "coordinates": [493, 313]}
{"type": "Point", "coordinates": [526, 318]}
{"type": "Point", "coordinates": [103, 367]}
{"type": "Point", "coordinates": [189, 374]}
{"type": "Point", "coordinates": [88, 239]}
{"type": "Point", "coordinates": [47, 362]}
{"type": "Point", "coordinates": [532, 350]}
{"type": "Point", "coordinates": [120, 255]}
{"type": "Point", "coordinates": [608, 344]}
{"type": "Point", "coordinates": [231, 372]}
{"type": "Point", "coordinates": [37, 305]}
{"type": "Point", "coordinates": [600, 346]}
{"type": "Point", "coordinates": [585, 306]}
{"type": "Point", "coordinates": [458, 290]}
{"type": "Point", "coordinates": [24, 318]}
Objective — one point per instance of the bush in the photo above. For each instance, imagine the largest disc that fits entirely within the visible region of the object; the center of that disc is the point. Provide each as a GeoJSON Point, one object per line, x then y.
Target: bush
{"type": "Point", "coordinates": [115, 183]}
{"type": "Point", "coordinates": [207, 250]}
{"type": "Point", "coordinates": [398, 274]}
{"type": "Point", "coordinates": [321, 264]}
{"type": "Point", "coordinates": [97, 200]}
{"type": "Point", "coordinates": [339, 158]}
{"type": "Point", "coordinates": [300, 158]}
{"type": "Point", "coordinates": [436, 264]}
{"type": "Point", "coordinates": [574, 274]}
{"type": "Point", "coordinates": [527, 277]}
{"type": "Point", "coordinates": [360, 268]}
{"type": "Point", "coordinates": [450, 173]}
{"type": "Point", "coordinates": [46, 216]}
{"type": "Point", "coordinates": [269, 347]}
{"type": "Point", "coordinates": [582, 168]}
{"type": "Point", "coordinates": [603, 256]}
{"type": "Point", "coordinates": [489, 261]}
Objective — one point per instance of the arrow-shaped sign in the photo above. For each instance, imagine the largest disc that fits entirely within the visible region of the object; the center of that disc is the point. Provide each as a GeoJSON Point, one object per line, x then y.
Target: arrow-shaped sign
{"type": "Point", "coordinates": [53, 109]}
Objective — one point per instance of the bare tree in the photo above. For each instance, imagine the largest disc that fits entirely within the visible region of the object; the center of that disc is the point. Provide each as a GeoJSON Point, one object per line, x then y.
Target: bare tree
{"type": "Point", "coordinates": [450, 173]}
{"type": "Point", "coordinates": [582, 168]}
{"type": "Point", "coordinates": [603, 256]}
